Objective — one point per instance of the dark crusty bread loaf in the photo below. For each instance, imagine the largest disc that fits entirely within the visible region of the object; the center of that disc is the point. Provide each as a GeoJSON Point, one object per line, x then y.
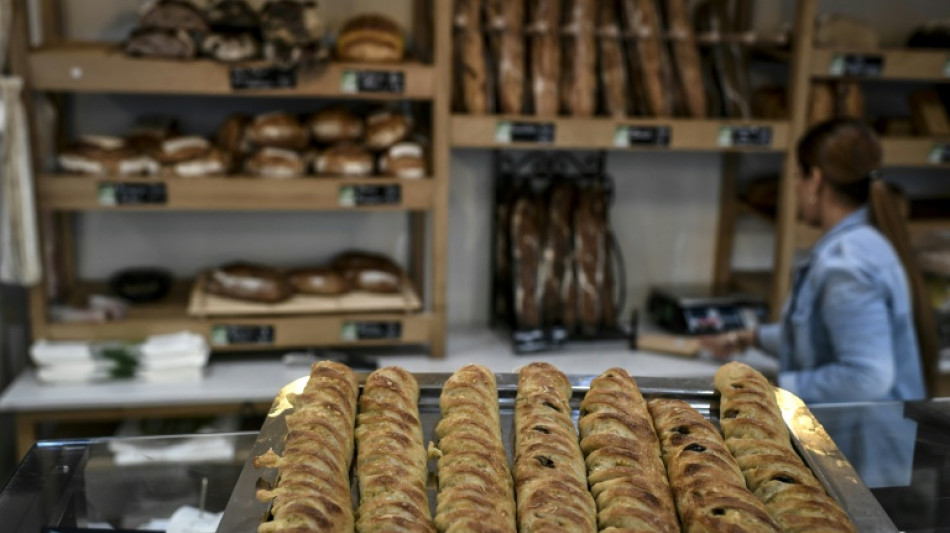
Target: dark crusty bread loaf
{"type": "Point", "coordinates": [545, 19]}
{"type": "Point", "coordinates": [686, 55]}
{"type": "Point", "coordinates": [506, 24]}
{"type": "Point", "coordinates": [245, 281]}
{"type": "Point", "coordinates": [613, 70]}
{"type": "Point", "coordinates": [579, 71]}
{"type": "Point", "coordinates": [319, 281]}
{"type": "Point", "coordinates": [470, 68]}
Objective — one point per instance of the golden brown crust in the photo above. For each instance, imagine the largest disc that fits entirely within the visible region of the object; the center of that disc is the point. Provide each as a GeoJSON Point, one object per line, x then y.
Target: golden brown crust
{"type": "Point", "coordinates": [279, 130]}
{"type": "Point", "coordinates": [370, 37]}
{"type": "Point", "coordinates": [320, 281]}
{"type": "Point", "coordinates": [545, 16]}
{"type": "Point", "coordinates": [579, 89]}
{"type": "Point", "coordinates": [707, 484]}
{"type": "Point", "coordinates": [313, 492]}
{"type": "Point", "coordinates": [550, 475]}
{"type": "Point", "coordinates": [391, 458]}
{"type": "Point", "coordinates": [757, 436]}
{"type": "Point", "coordinates": [475, 485]}
{"type": "Point", "coordinates": [506, 22]}
{"type": "Point", "coordinates": [687, 57]}
{"type": "Point", "coordinates": [245, 281]}
{"type": "Point", "coordinates": [613, 73]}
{"type": "Point", "coordinates": [624, 468]}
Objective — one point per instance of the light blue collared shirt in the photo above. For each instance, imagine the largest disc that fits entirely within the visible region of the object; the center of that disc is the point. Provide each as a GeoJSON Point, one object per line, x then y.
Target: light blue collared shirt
{"type": "Point", "coordinates": [847, 329]}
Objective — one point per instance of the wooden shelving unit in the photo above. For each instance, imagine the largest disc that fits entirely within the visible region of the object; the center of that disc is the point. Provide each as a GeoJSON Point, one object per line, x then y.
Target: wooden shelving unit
{"type": "Point", "coordinates": [896, 64]}
{"type": "Point", "coordinates": [62, 67]}
{"type": "Point", "coordinates": [927, 152]}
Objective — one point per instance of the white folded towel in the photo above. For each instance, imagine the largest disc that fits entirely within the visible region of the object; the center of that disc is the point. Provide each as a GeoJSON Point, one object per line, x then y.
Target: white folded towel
{"type": "Point", "coordinates": [75, 373]}
{"type": "Point", "coordinates": [171, 375]}
{"type": "Point", "coordinates": [45, 352]}
{"type": "Point", "coordinates": [160, 351]}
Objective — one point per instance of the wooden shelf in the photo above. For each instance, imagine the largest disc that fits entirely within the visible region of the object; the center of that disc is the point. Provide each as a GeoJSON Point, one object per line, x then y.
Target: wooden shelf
{"type": "Point", "coordinates": [756, 283]}
{"type": "Point", "coordinates": [896, 64]}
{"type": "Point", "coordinates": [501, 131]}
{"type": "Point", "coordinates": [289, 331]}
{"type": "Point", "coordinates": [239, 193]}
{"type": "Point", "coordinates": [102, 67]}
{"type": "Point", "coordinates": [916, 151]}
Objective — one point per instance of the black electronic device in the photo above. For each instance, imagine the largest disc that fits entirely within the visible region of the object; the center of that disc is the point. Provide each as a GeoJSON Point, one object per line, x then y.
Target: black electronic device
{"type": "Point", "coordinates": [704, 310]}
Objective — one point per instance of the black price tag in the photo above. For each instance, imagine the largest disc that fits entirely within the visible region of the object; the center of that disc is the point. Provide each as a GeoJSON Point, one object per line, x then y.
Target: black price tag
{"type": "Point", "coordinates": [261, 78]}
{"type": "Point", "coordinates": [373, 81]}
{"type": "Point", "coordinates": [116, 194]}
{"type": "Point", "coordinates": [536, 340]}
{"type": "Point", "coordinates": [856, 65]}
{"type": "Point", "coordinates": [627, 136]}
{"type": "Point", "coordinates": [749, 136]}
{"type": "Point", "coordinates": [940, 154]}
{"type": "Point", "coordinates": [524, 132]}
{"type": "Point", "coordinates": [239, 334]}
{"type": "Point", "coordinates": [366, 195]}
{"type": "Point", "coordinates": [371, 331]}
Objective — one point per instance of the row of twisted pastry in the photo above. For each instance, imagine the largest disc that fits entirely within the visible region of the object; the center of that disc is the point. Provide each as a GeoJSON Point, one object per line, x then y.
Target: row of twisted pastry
{"type": "Point", "coordinates": [475, 485]}
{"type": "Point", "coordinates": [710, 492]}
{"type": "Point", "coordinates": [758, 438]}
{"type": "Point", "coordinates": [313, 488]}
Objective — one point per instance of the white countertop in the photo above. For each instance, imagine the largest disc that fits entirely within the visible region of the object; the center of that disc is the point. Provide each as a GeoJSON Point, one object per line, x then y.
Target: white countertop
{"type": "Point", "coordinates": [259, 380]}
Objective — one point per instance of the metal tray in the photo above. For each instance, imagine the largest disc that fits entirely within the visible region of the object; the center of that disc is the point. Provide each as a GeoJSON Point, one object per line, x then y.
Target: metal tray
{"type": "Point", "coordinates": [244, 512]}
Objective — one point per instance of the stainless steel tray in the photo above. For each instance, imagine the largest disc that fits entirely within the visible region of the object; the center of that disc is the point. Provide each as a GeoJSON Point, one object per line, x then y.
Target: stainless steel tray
{"type": "Point", "coordinates": [244, 512]}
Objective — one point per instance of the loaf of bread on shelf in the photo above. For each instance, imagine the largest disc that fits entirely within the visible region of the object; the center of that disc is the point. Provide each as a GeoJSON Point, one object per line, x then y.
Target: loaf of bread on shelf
{"type": "Point", "coordinates": [313, 489]}
{"type": "Point", "coordinates": [613, 70]}
{"type": "Point", "coordinates": [335, 124]}
{"type": "Point", "coordinates": [231, 140]}
{"type": "Point", "coordinates": [624, 465]}
{"type": "Point", "coordinates": [558, 292]}
{"type": "Point", "coordinates": [160, 43]}
{"type": "Point", "coordinates": [550, 475]}
{"type": "Point", "coordinates": [212, 163]}
{"type": "Point", "coordinates": [319, 281]}
{"type": "Point", "coordinates": [708, 486]}
{"type": "Point", "coordinates": [385, 128]}
{"type": "Point", "coordinates": [175, 15]}
{"type": "Point", "coordinates": [643, 22]}
{"type": "Point", "coordinates": [391, 462]}
{"type": "Point", "coordinates": [245, 281]}
{"type": "Point", "coordinates": [591, 253]}
{"type": "Point", "coordinates": [269, 162]}
{"type": "Point", "coordinates": [758, 438]}
{"type": "Point", "coordinates": [579, 72]}
{"type": "Point", "coordinates": [545, 27]}
{"type": "Point", "coordinates": [182, 148]}
{"type": "Point", "coordinates": [476, 491]}
{"type": "Point", "coordinates": [471, 71]}
{"type": "Point", "coordinates": [506, 26]}
{"type": "Point", "coordinates": [525, 240]}
{"type": "Point", "coordinates": [404, 160]}
{"type": "Point", "coordinates": [150, 131]}
{"type": "Point", "coordinates": [370, 272]}
{"type": "Point", "coordinates": [370, 37]}
{"type": "Point", "coordinates": [821, 102]}
{"type": "Point", "coordinates": [103, 155]}
{"type": "Point", "coordinates": [292, 31]}
{"type": "Point", "coordinates": [686, 56]}
{"type": "Point", "coordinates": [231, 47]}
{"type": "Point", "coordinates": [344, 159]}
{"type": "Point", "coordinates": [279, 130]}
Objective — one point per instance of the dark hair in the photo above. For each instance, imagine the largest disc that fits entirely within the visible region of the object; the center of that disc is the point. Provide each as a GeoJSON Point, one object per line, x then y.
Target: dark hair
{"type": "Point", "coordinates": [849, 156]}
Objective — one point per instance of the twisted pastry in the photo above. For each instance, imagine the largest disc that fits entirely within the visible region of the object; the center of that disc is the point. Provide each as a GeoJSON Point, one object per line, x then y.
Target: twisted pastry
{"type": "Point", "coordinates": [390, 456]}
{"type": "Point", "coordinates": [313, 492]}
{"type": "Point", "coordinates": [757, 436]}
{"type": "Point", "coordinates": [550, 475]}
{"type": "Point", "coordinates": [707, 483]}
{"type": "Point", "coordinates": [626, 473]}
{"type": "Point", "coordinates": [475, 488]}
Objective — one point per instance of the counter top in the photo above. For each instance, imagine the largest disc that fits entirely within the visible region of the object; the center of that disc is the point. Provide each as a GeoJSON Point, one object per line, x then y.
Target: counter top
{"type": "Point", "coordinates": [240, 380]}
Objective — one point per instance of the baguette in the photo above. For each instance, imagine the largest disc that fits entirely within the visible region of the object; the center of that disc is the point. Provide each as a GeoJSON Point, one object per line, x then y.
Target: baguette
{"type": "Point", "coordinates": [476, 492]}
{"type": "Point", "coordinates": [758, 438]}
{"type": "Point", "coordinates": [643, 21]}
{"type": "Point", "coordinates": [579, 81]}
{"type": "Point", "coordinates": [707, 484]}
{"type": "Point", "coordinates": [313, 493]}
{"type": "Point", "coordinates": [391, 458]}
{"type": "Point", "coordinates": [624, 468]}
{"type": "Point", "coordinates": [470, 56]}
{"type": "Point", "coordinates": [613, 72]}
{"type": "Point", "coordinates": [550, 475]}
{"type": "Point", "coordinates": [687, 58]}
{"type": "Point", "coordinates": [545, 56]}
{"type": "Point", "coordinates": [506, 21]}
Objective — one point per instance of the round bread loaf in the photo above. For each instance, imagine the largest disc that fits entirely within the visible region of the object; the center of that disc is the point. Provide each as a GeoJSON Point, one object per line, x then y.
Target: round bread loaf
{"type": "Point", "coordinates": [403, 160]}
{"type": "Point", "coordinates": [320, 281]}
{"type": "Point", "coordinates": [334, 125]}
{"type": "Point", "coordinates": [279, 130]}
{"type": "Point", "coordinates": [385, 128]}
{"type": "Point", "coordinates": [212, 163]}
{"type": "Point", "coordinates": [275, 163]}
{"type": "Point", "coordinates": [370, 38]}
{"type": "Point", "coordinates": [344, 159]}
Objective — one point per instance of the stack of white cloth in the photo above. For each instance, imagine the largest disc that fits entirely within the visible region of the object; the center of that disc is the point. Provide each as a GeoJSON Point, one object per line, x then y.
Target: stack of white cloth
{"type": "Point", "coordinates": [171, 358]}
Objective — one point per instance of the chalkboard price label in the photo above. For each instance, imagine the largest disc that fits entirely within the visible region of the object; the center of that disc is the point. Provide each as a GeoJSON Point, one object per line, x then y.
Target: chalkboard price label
{"type": "Point", "coordinates": [262, 78]}
{"type": "Point", "coordinates": [118, 194]}
{"type": "Point", "coordinates": [643, 136]}
{"type": "Point", "coordinates": [940, 154]}
{"type": "Point", "coordinates": [369, 195]}
{"type": "Point", "coordinates": [745, 136]}
{"type": "Point", "coordinates": [507, 132]}
{"type": "Point", "coordinates": [373, 81]}
{"type": "Point", "coordinates": [856, 65]}
{"type": "Point", "coordinates": [241, 334]}
{"type": "Point", "coordinates": [371, 331]}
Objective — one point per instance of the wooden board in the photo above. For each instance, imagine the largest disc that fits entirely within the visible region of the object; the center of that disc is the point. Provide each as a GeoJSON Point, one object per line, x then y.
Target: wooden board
{"type": "Point", "coordinates": [898, 63]}
{"type": "Point", "coordinates": [204, 304]}
{"type": "Point", "coordinates": [916, 151]}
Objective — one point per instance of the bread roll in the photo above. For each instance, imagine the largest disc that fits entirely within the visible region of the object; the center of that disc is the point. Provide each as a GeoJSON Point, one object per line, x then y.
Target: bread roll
{"type": "Point", "coordinates": [391, 458]}
{"type": "Point", "coordinates": [545, 16]}
{"type": "Point", "coordinates": [686, 54]}
{"type": "Point", "coordinates": [100, 155]}
{"type": "Point", "coordinates": [334, 124]}
{"type": "Point", "coordinates": [707, 484]}
{"type": "Point", "coordinates": [579, 76]}
{"type": "Point", "coordinates": [175, 15]}
{"type": "Point", "coordinates": [370, 272]}
{"type": "Point", "coordinates": [757, 436]}
{"type": "Point", "coordinates": [212, 163]}
{"type": "Point", "coordinates": [550, 475]}
{"type": "Point", "coordinates": [624, 466]}
{"type": "Point", "coordinates": [613, 72]}
{"type": "Point", "coordinates": [319, 281]}
{"type": "Point", "coordinates": [344, 159]}
{"type": "Point", "coordinates": [275, 163]}
{"type": "Point", "coordinates": [231, 47]}
{"type": "Point", "coordinates": [313, 490]}
{"type": "Point", "coordinates": [278, 130]}
{"type": "Point", "coordinates": [371, 38]}
{"type": "Point", "coordinates": [184, 148]}
{"type": "Point", "coordinates": [404, 160]}
{"type": "Point", "coordinates": [244, 281]}
{"type": "Point", "coordinates": [476, 492]}
{"type": "Point", "coordinates": [506, 23]}
{"type": "Point", "coordinates": [385, 128]}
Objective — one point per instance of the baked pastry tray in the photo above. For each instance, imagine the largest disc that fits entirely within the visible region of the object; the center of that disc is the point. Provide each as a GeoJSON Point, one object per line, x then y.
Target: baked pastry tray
{"type": "Point", "coordinates": [244, 512]}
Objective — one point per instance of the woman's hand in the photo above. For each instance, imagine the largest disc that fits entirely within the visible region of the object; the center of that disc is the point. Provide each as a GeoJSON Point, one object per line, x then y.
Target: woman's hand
{"type": "Point", "coordinates": [723, 345]}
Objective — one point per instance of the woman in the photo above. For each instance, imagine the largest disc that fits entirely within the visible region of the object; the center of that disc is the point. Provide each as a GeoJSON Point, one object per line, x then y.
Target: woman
{"type": "Point", "coordinates": [848, 330]}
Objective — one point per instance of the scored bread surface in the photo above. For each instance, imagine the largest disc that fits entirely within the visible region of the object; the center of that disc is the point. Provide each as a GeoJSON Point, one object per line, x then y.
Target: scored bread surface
{"type": "Point", "coordinates": [707, 484]}
{"type": "Point", "coordinates": [758, 438]}
{"type": "Point", "coordinates": [476, 492]}
{"type": "Point", "coordinates": [550, 475]}
{"type": "Point", "coordinates": [390, 455]}
{"type": "Point", "coordinates": [624, 467]}
{"type": "Point", "coordinates": [313, 489]}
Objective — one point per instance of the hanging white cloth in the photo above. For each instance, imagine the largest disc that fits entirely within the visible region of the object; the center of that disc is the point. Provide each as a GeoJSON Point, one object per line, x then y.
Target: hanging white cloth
{"type": "Point", "coordinates": [20, 262]}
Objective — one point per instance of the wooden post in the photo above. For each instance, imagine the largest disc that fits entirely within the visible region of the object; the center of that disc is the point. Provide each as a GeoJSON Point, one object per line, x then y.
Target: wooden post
{"type": "Point", "coordinates": [441, 162]}
{"type": "Point", "coordinates": [726, 225]}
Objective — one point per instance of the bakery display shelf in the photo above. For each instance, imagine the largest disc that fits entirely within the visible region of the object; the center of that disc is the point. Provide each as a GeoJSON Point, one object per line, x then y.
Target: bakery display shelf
{"type": "Point", "coordinates": [603, 133]}
{"type": "Point", "coordinates": [906, 64]}
{"type": "Point", "coordinates": [67, 192]}
{"type": "Point", "coordinates": [916, 151]}
{"type": "Point", "coordinates": [244, 512]}
{"type": "Point", "coordinates": [923, 226]}
{"type": "Point", "coordinates": [753, 282]}
{"type": "Point", "coordinates": [103, 67]}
